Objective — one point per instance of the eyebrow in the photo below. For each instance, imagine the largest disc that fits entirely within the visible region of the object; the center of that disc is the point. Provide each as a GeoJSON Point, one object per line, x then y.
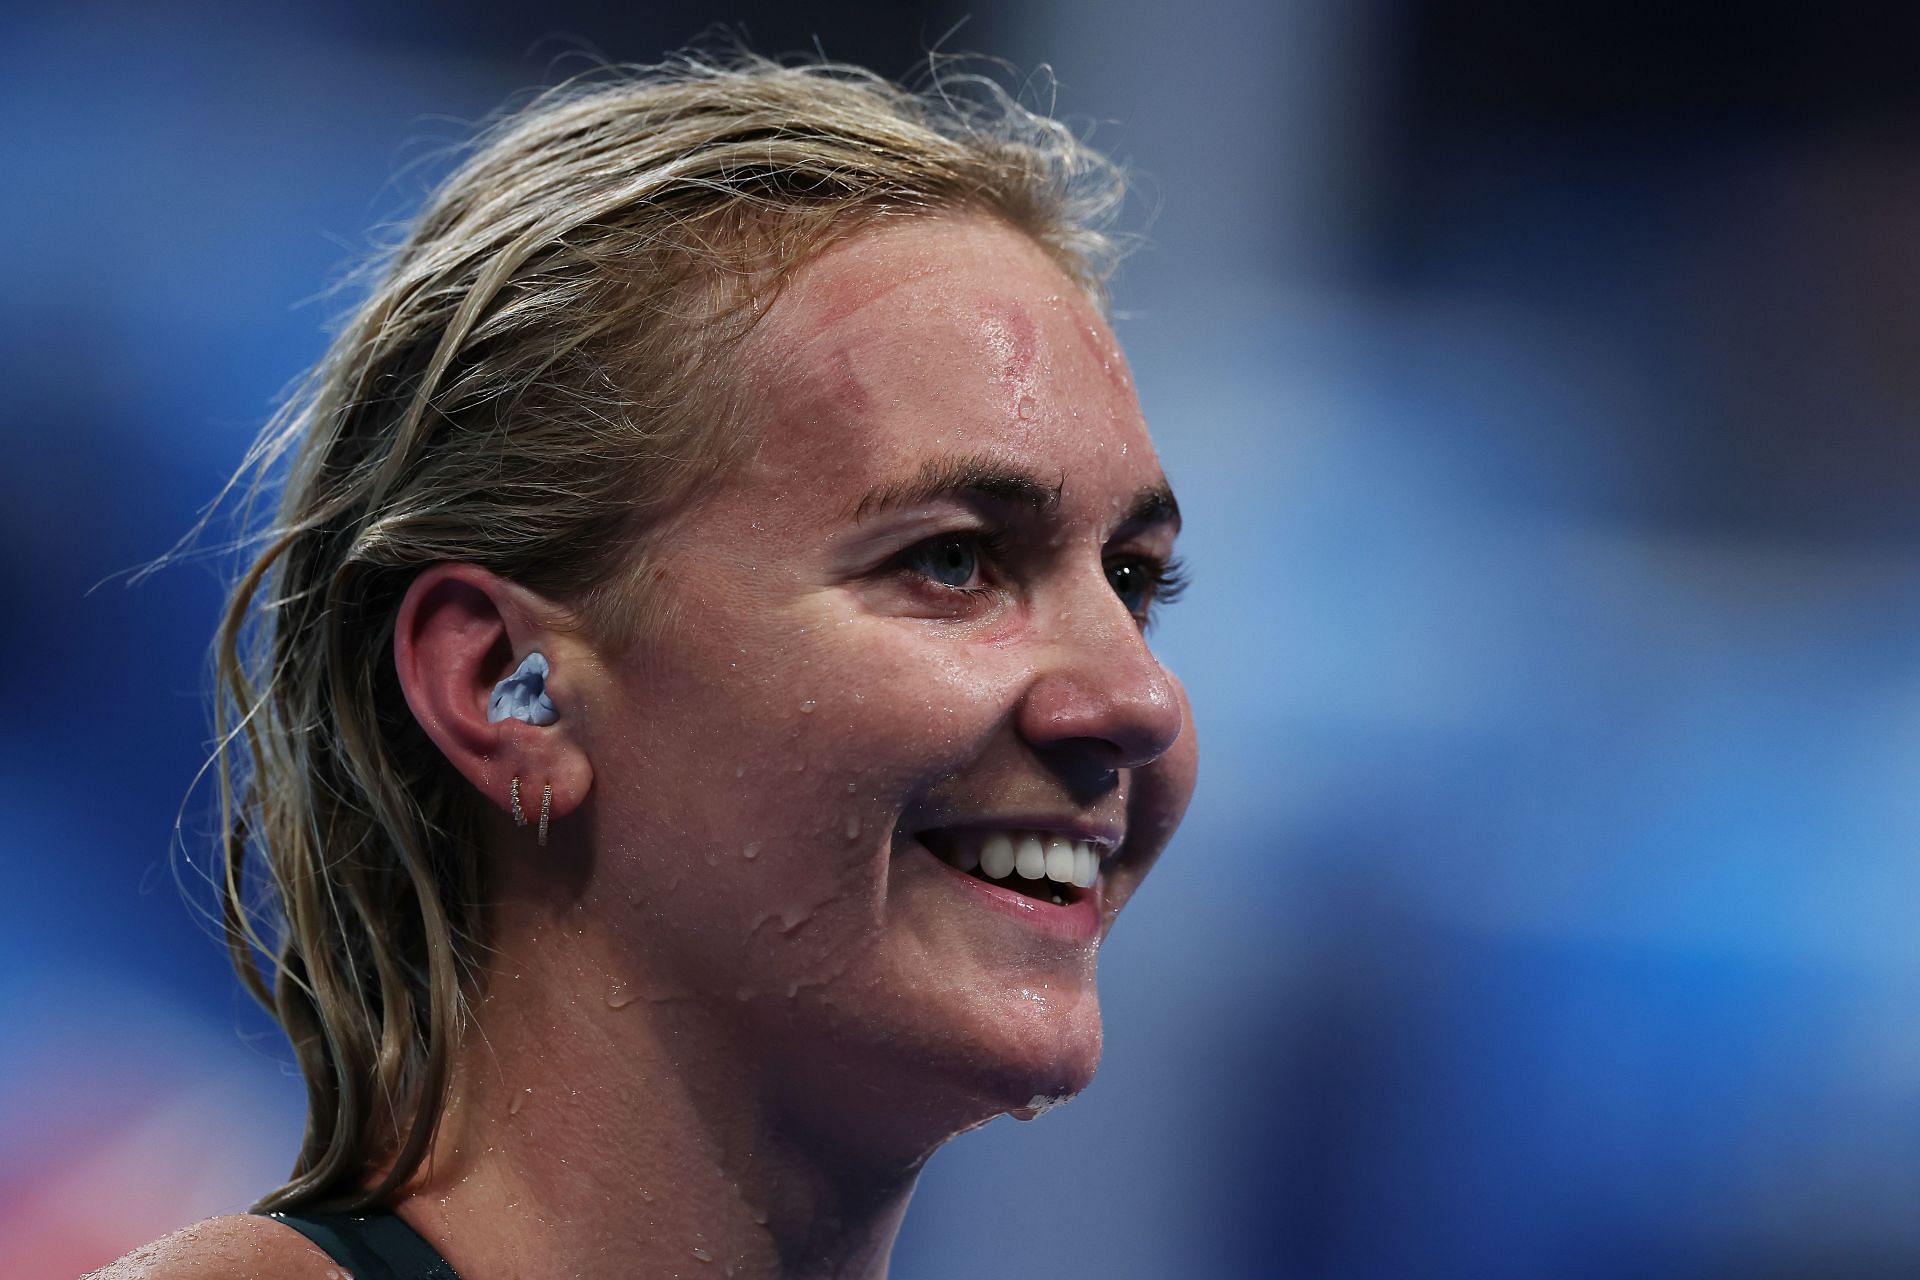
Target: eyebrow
{"type": "Point", "coordinates": [978, 479]}
{"type": "Point", "coordinates": [1153, 506]}
{"type": "Point", "coordinates": [994, 482]}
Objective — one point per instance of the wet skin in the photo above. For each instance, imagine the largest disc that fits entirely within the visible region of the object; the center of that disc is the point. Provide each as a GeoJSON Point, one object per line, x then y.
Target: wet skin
{"type": "Point", "coordinates": [735, 1002]}
{"type": "Point", "coordinates": [849, 662]}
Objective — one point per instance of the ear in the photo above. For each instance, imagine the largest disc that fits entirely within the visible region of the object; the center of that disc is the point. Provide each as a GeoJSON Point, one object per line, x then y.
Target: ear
{"type": "Point", "coordinates": [460, 631]}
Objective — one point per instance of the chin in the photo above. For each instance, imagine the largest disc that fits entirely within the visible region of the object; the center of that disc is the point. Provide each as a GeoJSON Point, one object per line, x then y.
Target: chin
{"type": "Point", "coordinates": [901, 1090]}
{"type": "Point", "coordinates": [1028, 1060]}
{"type": "Point", "coordinates": [1050, 1053]}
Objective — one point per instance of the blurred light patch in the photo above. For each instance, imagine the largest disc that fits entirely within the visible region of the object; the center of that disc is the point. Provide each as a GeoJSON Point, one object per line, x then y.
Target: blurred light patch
{"type": "Point", "coordinates": [1535, 381]}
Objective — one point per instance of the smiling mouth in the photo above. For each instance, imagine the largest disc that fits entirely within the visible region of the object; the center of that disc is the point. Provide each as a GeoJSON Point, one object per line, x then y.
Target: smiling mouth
{"type": "Point", "coordinates": [1046, 867]}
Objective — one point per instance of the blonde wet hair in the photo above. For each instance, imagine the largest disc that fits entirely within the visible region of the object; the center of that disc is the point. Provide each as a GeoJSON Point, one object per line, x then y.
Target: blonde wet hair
{"type": "Point", "coordinates": [538, 378]}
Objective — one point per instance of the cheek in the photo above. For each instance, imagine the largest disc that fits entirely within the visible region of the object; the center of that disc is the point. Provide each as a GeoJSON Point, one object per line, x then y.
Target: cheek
{"type": "Point", "coordinates": [865, 731]}
{"type": "Point", "coordinates": [1179, 769]}
{"type": "Point", "coordinates": [891, 705]}
{"type": "Point", "coordinates": [1156, 802]}
{"type": "Point", "coordinates": [750, 806]}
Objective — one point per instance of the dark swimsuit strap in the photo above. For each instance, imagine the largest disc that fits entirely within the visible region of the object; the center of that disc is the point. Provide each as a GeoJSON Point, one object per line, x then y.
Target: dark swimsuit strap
{"type": "Point", "coordinates": [372, 1246]}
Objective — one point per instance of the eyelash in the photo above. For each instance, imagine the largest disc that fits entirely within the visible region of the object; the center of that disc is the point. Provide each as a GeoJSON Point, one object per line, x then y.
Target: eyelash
{"type": "Point", "coordinates": [1166, 579]}
{"type": "Point", "coordinates": [989, 545]}
{"type": "Point", "coordinates": [1169, 578]}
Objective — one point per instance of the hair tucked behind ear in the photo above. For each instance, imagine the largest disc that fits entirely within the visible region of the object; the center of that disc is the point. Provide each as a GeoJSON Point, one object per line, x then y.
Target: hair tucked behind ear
{"type": "Point", "coordinates": [537, 379]}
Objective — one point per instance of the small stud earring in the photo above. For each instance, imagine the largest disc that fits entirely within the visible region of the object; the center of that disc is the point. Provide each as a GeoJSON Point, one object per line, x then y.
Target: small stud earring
{"type": "Point", "coordinates": [513, 795]}
{"type": "Point", "coordinates": [546, 809]}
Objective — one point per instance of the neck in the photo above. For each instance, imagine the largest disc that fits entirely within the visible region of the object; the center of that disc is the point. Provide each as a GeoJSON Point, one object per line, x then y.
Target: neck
{"type": "Point", "coordinates": [597, 1129]}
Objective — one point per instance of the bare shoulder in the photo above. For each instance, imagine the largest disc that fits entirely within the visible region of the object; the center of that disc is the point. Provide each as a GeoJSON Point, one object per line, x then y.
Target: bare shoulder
{"type": "Point", "coordinates": [240, 1247]}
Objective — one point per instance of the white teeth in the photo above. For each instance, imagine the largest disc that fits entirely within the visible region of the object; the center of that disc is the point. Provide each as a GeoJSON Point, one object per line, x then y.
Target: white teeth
{"type": "Point", "coordinates": [1086, 865]}
{"type": "Point", "coordinates": [1030, 859]}
{"type": "Point", "coordinates": [1034, 855]}
{"type": "Point", "coordinates": [996, 856]}
{"type": "Point", "coordinates": [1060, 860]}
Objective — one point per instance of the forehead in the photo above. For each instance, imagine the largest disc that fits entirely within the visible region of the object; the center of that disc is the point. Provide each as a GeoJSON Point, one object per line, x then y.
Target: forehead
{"type": "Point", "coordinates": [943, 336]}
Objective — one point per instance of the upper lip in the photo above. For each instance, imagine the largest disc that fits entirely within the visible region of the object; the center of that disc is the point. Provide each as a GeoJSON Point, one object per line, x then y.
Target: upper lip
{"type": "Point", "coordinates": [1104, 837]}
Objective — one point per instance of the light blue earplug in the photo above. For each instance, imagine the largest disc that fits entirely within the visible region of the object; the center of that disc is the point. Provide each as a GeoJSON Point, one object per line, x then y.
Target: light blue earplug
{"type": "Point", "coordinates": [523, 695]}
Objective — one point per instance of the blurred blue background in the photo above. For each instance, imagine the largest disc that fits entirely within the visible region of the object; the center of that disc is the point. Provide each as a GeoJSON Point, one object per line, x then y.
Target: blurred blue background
{"type": "Point", "coordinates": [1540, 383]}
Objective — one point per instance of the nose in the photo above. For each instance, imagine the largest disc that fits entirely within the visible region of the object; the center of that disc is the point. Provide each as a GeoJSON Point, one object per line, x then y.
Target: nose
{"type": "Point", "coordinates": [1098, 695]}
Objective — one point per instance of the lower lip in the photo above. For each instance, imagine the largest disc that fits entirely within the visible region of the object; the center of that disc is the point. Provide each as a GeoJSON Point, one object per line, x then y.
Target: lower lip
{"type": "Point", "coordinates": [1078, 918]}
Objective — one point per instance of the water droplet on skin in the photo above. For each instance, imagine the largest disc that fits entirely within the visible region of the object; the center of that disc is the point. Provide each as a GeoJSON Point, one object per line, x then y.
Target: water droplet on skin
{"type": "Point", "coordinates": [853, 826]}
{"type": "Point", "coordinates": [1025, 407]}
{"type": "Point", "coordinates": [702, 1254]}
{"type": "Point", "coordinates": [751, 852]}
{"type": "Point", "coordinates": [620, 996]}
{"type": "Point", "coordinates": [713, 859]}
{"type": "Point", "coordinates": [739, 771]}
{"type": "Point", "coordinates": [806, 708]}
{"type": "Point", "coordinates": [852, 787]}
{"type": "Point", "coordinates": [646, 1195]}
{"type": "Point", "coordinates": [519, 1099]}
{"type": "Point", "coordinates": [1040, 1105]}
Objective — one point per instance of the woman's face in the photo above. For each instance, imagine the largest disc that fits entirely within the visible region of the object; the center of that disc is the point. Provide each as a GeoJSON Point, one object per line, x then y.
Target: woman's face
{"type": "Point", "coordinates": [907, 634]}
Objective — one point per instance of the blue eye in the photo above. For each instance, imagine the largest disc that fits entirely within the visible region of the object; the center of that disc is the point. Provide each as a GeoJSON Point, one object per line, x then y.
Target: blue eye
{"type": "Point", "coordinates": [1143, 584]}
{"type": "Point", "coordinates": [1132, 583]}
{"type": "Point", "coordinates": [951, 562]}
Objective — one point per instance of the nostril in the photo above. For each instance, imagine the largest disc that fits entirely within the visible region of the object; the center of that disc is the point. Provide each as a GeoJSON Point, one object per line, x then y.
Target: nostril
{"type": "Point", "coordinates": [1101, 697]}
{"type": "Point", "coordinates": [1081, 768]}
{"type": "Point", "coordinates": [1106, 734]}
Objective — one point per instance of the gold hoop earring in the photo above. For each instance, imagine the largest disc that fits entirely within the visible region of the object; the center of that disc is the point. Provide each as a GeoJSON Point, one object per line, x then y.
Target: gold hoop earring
{"type": "Point", "coordinates": [546, 810]}
{"type": "Point", "coordinates": [513, 797]}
